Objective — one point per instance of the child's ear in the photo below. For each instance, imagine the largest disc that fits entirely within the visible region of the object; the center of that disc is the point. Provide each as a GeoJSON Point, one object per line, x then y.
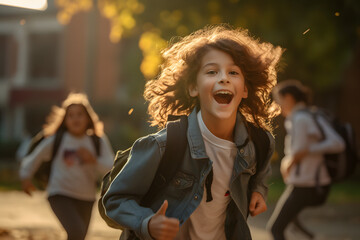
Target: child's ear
{"type": "Point", "coordinates": [193, 92]}
{"type": "Point", "coordinates": [245, 95]}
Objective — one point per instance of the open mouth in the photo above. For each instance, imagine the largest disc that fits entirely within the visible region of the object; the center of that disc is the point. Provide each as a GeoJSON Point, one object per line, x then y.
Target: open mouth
{"type": "Point", "coordinates": [223, 97]}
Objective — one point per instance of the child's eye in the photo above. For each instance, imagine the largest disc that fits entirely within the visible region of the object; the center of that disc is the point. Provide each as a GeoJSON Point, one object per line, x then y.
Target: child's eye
{"type": "Point", "coordinates": [211, 72]}
{"type": "Point", "coordinates": [233, 73]}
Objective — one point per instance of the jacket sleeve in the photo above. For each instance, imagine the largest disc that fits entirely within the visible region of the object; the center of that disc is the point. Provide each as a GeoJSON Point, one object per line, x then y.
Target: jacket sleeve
{"type": "Point", "coordinates": [332, 142]}
{"type": "Point", "coordinates": [106, 158]}
{"type": "Point", "coordinates": [259, 180]}
{"type": "Point", "coordinates": [121, 201]}
{"type": "Point", "coordinates": [32, 162]}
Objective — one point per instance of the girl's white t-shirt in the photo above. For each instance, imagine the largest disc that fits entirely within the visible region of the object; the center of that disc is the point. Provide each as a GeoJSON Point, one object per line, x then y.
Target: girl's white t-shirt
{"type": "Point", "coordinates": [69, 175]}
{"type": "Point", "coordinates": [303, 133]}
{"type": "Point", "coordinates": [208, 220]}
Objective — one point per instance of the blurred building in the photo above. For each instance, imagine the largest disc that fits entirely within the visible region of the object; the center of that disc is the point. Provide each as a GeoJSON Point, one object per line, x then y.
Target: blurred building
{"type": "Point", "coordinates": [41, 61]}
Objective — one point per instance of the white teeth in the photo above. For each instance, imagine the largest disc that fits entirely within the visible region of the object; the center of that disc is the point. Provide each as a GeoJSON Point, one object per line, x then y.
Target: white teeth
{"type": "Point", "coordinates": [224, 92]}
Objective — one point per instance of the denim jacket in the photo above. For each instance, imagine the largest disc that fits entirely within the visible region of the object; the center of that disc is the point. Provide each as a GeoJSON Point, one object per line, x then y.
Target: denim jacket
{"type": "Point", "coordinates": [185, 191]}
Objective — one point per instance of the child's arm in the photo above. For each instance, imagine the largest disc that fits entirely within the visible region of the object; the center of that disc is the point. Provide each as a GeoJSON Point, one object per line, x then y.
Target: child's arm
{"type": "Point", "coordinates": [32, 162]}
{"type": "Point", "coordinates": [258, 185]}
{"type": "Point", "coordinates": [300, 144]}
{"type": "Point", "coordinates": [122, 200]}
{"type": "Point", "coordinates": [106, 159]}
{"type": "Point", "coordinates": [86, 156]}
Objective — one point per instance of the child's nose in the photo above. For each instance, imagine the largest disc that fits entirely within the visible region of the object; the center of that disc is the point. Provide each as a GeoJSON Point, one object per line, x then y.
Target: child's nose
{"type": "Point", "coordinates": [224, 79]}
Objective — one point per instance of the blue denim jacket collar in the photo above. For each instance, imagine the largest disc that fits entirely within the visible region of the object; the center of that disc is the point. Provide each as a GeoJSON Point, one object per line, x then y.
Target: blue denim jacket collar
{"type": "Point", "coordinates": [196, 142]}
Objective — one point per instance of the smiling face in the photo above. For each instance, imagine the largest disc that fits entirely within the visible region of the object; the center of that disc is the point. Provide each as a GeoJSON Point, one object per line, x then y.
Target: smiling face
{"type": "Point", "coordinates": [76, 120]}
{"type": "Point", "coordinates": [220, 87]}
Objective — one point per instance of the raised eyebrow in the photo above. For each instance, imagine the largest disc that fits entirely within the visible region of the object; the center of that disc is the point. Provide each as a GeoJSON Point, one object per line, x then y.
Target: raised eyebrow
{"type": "Point", "coordinates": [210, 65]}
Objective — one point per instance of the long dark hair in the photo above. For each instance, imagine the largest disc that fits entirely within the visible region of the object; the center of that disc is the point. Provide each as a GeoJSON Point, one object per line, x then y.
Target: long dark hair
{"type": "Point", "coordinates": [56, 119]}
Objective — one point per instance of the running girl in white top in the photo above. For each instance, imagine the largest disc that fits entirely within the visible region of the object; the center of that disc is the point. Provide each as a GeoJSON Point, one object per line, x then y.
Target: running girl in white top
{"type": "Point", "coordinates": [76, 165]}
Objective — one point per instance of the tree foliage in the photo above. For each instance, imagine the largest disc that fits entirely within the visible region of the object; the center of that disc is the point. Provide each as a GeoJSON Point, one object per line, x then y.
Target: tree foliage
{"type": "Point", "coordinates": [319, 36]}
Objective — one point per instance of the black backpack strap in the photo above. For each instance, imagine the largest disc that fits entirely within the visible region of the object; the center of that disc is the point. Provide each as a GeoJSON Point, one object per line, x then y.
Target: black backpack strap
{"type": "Point", "coordinates": [262, 145]}
{"type": "Point", "coordinates": [58, 137]}
{"type": "Point", "coordinates": [96, 141]}
{"type": "Point", "coordinates": [176, 143]}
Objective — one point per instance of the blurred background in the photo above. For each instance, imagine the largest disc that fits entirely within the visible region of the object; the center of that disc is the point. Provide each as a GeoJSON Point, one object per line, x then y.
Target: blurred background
{"type": "Point", "coordinates": [108, 48]}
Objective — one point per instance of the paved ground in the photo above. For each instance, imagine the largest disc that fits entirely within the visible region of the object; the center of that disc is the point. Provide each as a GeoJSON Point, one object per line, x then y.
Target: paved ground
{"type": "Point", "coordinates": [25, 218]}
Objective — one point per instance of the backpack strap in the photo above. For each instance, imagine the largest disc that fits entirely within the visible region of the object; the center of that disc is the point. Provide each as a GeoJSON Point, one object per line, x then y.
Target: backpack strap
{"type": "Point", "coordinates": [176, 143]}
{"type": "Point", "coordinates": [35, 142]}
{"type": "Point", "coordinates": [262, 145]}
{"type": "Point", "coordinates": [58, 137]}
{"type": "Point", "coordinates": [96, 141]}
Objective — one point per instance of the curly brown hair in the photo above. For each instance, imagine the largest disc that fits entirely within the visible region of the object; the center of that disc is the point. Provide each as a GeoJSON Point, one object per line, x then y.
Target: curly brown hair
{"type": "Point", "coordinates": [55, 121]}
{"type": "Point", "coordinates": [168, 94]}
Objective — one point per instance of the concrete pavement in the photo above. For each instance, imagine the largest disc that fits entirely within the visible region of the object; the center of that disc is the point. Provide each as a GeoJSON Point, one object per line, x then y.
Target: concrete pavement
{"type": "Point", "coordinates": [25, 218]}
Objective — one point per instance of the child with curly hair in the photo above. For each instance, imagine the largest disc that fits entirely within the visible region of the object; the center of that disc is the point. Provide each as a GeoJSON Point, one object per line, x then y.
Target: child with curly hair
{"type": "Point", "coordinates": [221, 78]}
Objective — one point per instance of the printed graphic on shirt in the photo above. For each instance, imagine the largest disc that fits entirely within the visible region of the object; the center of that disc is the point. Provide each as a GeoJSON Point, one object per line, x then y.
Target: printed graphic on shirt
{"type": "Point", "coordinates": [70, 157]}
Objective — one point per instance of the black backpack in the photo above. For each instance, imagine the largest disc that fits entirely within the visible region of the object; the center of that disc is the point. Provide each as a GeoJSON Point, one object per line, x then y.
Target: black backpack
{"type": "Point", "coordinates": [341, 165]}
{"type": "Point", "coordinates": [42, 174]}
{"type": "Point", "coordinates": [171, 161]}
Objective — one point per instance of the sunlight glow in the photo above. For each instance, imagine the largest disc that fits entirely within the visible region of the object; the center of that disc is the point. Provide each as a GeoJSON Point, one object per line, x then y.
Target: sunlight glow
{"type": "Point", "coordinates": [130, 111]}
{"type": "Point", "coordinates": [33, 4]}
{"type": "Point", "coordinates": [151, 43]}
{"type": "Point", "coordinates": [307, 30]}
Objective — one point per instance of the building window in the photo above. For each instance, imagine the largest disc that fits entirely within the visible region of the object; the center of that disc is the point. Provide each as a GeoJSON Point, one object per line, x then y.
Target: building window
{"type": "Point", "coordinates": [8, 53]}
{"type": "Point", "coordinates": [43, 56]}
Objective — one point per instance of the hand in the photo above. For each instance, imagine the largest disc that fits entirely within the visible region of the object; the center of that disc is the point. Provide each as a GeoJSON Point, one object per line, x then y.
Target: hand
{"type": "Point", "coordinates": [300, 155]}
{"type": "Point", "coordinates": [257, 204]}
{"type": "Point", "coordinates": [285, 169]}
{"type": "Point", "coordinates": [85, 155]}
{"type": "Point", "coordinates": [27, 186]}
{"type": "Point", "coordinates": [162, 227]}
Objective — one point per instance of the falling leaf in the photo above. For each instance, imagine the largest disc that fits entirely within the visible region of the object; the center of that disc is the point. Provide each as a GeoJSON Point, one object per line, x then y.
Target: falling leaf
{"type": "Point", "coordinates": [306, 31]}
{"type": "Point", "coordinates": [337, 14]}
{"type": "Point", "coordinates": [130, 111]}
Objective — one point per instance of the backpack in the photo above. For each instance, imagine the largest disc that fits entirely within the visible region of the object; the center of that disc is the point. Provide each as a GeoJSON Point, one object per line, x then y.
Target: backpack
{"type": "Point", "coordinates": [42, 174]}
{"type": "Point", "coordinates": [341, 165]}
{"type": "Point", "coordinates": [176, 144]}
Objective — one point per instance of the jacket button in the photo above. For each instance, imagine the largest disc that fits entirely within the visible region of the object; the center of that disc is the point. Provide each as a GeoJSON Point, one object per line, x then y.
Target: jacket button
{"type": "Point", "coordinates": [242, 151]}
{"type": "Point", "coordinates": [196, 197]}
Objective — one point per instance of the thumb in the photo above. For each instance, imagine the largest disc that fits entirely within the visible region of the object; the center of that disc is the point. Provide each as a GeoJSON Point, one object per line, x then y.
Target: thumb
{"type": "Point", "coordinates": [162, 209]}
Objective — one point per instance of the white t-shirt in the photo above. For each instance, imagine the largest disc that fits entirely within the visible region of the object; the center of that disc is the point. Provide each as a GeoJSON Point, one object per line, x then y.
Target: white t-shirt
{"type": "Point", "coordinates": [302, 133]}
{"type": "Point", "coordinates": [208, 220]}
{"type": "Point", "coordinates": [69, 176]}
